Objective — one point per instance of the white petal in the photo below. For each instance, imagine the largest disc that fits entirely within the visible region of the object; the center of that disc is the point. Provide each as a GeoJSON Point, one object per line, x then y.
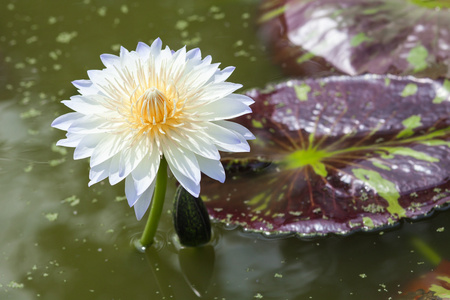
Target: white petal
{"type": "Point", "coordinates": [155, 48]}
{"type": "Point", "coordinates": [207, 60]}
{"type": "Point", "coordinates": [184, 161]}
{"type": "Point", "coordinates": [142, 204]}
{"type": "Point", "coordinates": [72, 140]}
{"type": "Point", "coordinates": [97, 77]}
{"type": "Point", "coordinates": [194, 54]}
{"type": "Point", "coordinates": [197, 143]}
{"type": "Point", "coordinates": [130, 191]}
{"type": "Point", "coordinates": [195, 65]}
{"type": "Point", "coordinates": [85, 87]}
{"type": "Point", "coordinates": [129, 62]}
{"type": "Point", "coordinates": [189, 185]}
{"type": "Point", "coordinates": [144, 174]}
{"type": "Point", "coordinates": [86, 105]}
{"type": "Point", "coordinates": [109, 146]}
{"type": "Point", "coordinates": [237, 128]}
{"type": "Point", "coordinates": [110, 82]}
{"type": "Point", "coordinates": [242, 98]}
{"type": "Point", "coordinates": [199, 76]}
{"type": "Point", "coordinates": [223, 109]}
{"type": "Point", "coordinates": [82, 83]}
{"type": "Point", "coordinates": [88, 125]}
{"type": "Point", "coordinates": [117, 173]}
{"type": "Point", "coordinates": [225, 139]}
{"type": "Point", "coordinates": [212, 168]}
{"type": "Point", "coordinates": [223, 75]}
{"type": "Point", "coordinates": [114, 177]}
{"type": "Point", "coordinates": [109, 60]}
{"type": "Point", "coordinates": [162, 59]}
{"type": "Point", "coordinates": [131, 158]}
{"type": "Point", "coordinates": [99, 172]}
{"type": "Point", "coordinates": [219, 90]}
{"type": "Point", "coordinates": [220, 134]}
{"type": "Point", "coordinates": [143, 50]}
{"type": "Point", "coordinates": [123, 52]}
{"type": "Point", "coordinates": [65, 121]}
{"type": "Point", "coordinates": [243, 146]}
{"type": "Point", "coordinates": [178, 61]}
{"type": "Point", "coordinates": [87, 145]}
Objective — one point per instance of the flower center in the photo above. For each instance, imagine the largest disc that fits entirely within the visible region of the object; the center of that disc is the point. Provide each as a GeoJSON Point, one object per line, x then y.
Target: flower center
{"type": "Point", "coordinates": [153, 107]}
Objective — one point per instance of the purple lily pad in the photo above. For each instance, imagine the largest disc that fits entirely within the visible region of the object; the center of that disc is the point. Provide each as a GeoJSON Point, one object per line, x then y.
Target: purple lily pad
{"type": "Point", "coordinates": [359, 36]}
{"type": "Point", "coordinates": [338, 154]}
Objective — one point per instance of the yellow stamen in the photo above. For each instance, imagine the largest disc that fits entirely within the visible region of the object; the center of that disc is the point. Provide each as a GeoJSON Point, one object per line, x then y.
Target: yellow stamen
{"type": "Point", "coordinates": [152, 107]}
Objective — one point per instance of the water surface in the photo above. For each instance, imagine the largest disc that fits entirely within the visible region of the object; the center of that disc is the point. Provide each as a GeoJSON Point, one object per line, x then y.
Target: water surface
{"type": "Point", "coordinates": [63, 240]}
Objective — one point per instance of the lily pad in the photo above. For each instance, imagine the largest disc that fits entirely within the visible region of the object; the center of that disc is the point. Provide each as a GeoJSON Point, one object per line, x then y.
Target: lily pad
{"type": "Point", "coordinates": [338, 154]}
{"type": "Point", "coordinates": [355, 37]}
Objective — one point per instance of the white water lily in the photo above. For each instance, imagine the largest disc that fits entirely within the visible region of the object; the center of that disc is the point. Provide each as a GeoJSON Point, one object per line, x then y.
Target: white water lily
{"type": "Point", "coordinates": [150, 103]}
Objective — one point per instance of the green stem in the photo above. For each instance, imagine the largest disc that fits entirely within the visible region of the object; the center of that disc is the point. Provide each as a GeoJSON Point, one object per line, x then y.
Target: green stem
{"type": "Point", "coordinates": [157, 204]}
{"type": "Point", "coordinates": [426, 251]}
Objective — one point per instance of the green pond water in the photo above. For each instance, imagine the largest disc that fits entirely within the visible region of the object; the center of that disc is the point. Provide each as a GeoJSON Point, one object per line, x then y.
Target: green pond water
{"type": "Point", "coordinates": [63, 240]}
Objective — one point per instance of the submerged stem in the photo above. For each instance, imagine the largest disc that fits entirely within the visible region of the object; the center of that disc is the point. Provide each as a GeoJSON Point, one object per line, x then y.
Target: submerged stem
{"type": "Point", "coordinates": [427, 251]}
{"type": "Point", "coordinates": [157, 205]}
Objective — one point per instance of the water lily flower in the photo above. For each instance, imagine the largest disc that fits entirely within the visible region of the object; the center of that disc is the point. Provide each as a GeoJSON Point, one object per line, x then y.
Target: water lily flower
{"type": "Point", "coordinates": [153, 105]}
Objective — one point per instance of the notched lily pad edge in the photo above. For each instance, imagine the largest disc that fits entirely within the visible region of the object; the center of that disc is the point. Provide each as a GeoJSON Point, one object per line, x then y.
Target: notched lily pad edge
{"type": "Point", "coordinates": [366, 228]}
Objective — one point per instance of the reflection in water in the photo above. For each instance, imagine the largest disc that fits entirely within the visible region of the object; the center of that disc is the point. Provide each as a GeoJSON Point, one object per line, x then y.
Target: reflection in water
{"type": "Point", "coordinates": [163, 281]}
{"type": "Point", "coordinates": [188, 271]}
{"type": "Point", "coordinates": [196, 265]}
